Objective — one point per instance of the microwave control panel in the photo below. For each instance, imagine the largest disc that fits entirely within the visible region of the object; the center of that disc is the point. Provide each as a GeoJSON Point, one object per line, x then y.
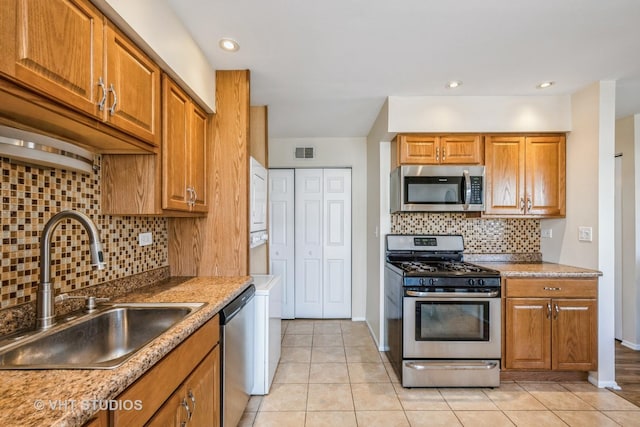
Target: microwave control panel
{"type": "Point", "coordinates": [476, 190]}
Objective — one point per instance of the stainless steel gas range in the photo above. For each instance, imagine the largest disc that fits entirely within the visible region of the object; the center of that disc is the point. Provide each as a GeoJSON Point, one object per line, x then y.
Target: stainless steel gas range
{"type": "Point", "coordinates": [442, 315]}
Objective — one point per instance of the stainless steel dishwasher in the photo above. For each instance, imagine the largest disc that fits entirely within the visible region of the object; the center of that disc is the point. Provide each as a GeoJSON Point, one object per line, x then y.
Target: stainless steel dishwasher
{"type": "Point", "coordinates": [236, 321]}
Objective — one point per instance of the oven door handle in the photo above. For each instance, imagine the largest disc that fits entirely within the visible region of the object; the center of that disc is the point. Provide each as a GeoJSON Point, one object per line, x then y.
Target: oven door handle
{"type": "Point", "coordinates": [421, 366]}
{"type": "Point", "coordinates": [467, 189]}
{"type": "Point", "coordinates": [491, 294]}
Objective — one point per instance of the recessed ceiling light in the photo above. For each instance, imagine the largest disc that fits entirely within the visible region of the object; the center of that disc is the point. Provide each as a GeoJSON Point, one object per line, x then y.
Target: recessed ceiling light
{"type": "Point", "coordinates": [229, 45]}
{"type": "Point", "coordinates": [545, 85]}
{"type": "Point", "coordinates": [453, 84]}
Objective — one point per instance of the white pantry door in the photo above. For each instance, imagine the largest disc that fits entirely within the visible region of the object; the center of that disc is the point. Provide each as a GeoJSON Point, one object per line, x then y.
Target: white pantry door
{"type": "Point", "coordinates": [281, 235]}
{"type": "Point", "coordinates": [336, 287]}
{"type": "Point", "coordinates": [323, 243]}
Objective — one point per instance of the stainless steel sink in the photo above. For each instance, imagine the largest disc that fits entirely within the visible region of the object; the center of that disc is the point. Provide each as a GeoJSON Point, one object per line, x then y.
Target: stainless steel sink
{"type": "Point", "coordinates": [101, 340]}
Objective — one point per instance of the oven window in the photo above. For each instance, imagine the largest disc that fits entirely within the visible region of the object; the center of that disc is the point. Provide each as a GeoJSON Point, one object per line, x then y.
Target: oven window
{"type": "Point", "coordinates": [452, 321]}
{"type": "Point", "coordinates": [433, 190]}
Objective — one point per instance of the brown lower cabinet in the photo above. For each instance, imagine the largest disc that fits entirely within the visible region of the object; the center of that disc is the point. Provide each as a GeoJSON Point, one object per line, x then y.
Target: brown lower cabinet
{"type": "Point", "coordinates": [551, 324]}
{"type": "Point", "coordinates": [182, 389]}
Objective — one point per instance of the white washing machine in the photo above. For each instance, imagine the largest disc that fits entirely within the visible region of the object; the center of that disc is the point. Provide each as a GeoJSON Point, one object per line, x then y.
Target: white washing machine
{"type": "Point", "coordinates": [268, 316]}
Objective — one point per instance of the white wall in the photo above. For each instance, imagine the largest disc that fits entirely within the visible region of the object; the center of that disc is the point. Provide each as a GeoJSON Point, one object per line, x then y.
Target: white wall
{"type": "Point", "coordinates": [479, 113]}
{"type": "Point", "coordinates": [378, 221]}
{"type": "Point", "coordinates": [154, 27]}
{"type": "Point", "coordinates": [590, 202]}
{"type": "Point", "coordinates": [627, 139]}
{"type": "Point", "coordinates": [337, 152]}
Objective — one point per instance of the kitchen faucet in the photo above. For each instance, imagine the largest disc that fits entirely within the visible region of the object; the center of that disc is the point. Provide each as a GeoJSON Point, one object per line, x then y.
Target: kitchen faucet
{"type": "Point", "coordinates": [45, 312]}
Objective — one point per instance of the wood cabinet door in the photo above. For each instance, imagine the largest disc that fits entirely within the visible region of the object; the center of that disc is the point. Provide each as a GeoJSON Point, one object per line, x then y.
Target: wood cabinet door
{"type": "Point", "coordinates": [505, 175]}
{"type": "Point", "coordinates": [175, 148]}
{"type": "Point", "coordinates": [528, 333]}
{"type": "Point", "coordinates": [55, 48]}
{"type": "Point", "coordinates": [418, 149]}
{"type": "Point", "coordinates": [545, 175]}
{"type": "Point", "coordinates": [575, 334]}
{"type": "Point", "coordinates": [198, 155]}
{"type": "Point", "coordinates": [200, 393]}
{"type": "Point", "coordinates": [172, 413]}
{"type": "Point", "coordinates": [133, 89]}
{"type": "Point", "coordinates": [461, 149]}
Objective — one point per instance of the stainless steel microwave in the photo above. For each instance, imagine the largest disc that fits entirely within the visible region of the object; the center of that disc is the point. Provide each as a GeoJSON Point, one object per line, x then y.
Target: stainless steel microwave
{"type": "Point", "coordinates": [437, 189]}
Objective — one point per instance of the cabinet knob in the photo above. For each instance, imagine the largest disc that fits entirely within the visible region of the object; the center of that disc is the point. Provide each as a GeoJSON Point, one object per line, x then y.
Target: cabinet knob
{"type": "Point", "coordinates": [522, 204]}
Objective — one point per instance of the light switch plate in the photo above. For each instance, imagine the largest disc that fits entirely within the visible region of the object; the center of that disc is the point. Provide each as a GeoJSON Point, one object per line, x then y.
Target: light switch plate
{"type": "Point", "coordinates": [145, 239]}
{"type": "Point", "coordinates": [585, 234]}
{"type": "Point", "coordinates": [546, 233]}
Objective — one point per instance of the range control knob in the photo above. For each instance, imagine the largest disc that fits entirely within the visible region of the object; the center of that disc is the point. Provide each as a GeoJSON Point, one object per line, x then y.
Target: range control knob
{"type": "Point", "coordinates": [421, 281]}
{"type": "Point", "coordinates": [472, 282]}
{"type": "Point", "coordinates": [432, 282]}
{"type": "Point", "coordinates": [480, 282]}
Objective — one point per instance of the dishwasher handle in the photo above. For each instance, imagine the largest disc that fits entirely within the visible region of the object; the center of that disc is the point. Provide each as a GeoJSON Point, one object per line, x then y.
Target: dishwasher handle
{"type": "Point", "coordinates": [231, 309]}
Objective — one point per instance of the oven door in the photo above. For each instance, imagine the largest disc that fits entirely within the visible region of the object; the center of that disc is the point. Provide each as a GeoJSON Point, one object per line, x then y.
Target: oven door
{"type": "Point", "coordinates": [451, 327]}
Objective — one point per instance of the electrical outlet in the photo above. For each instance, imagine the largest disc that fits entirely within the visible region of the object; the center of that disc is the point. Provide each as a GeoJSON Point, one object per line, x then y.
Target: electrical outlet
{"type": "Point", "coordinates": [546, 233]}
{"type": "Point", "coordinates": [145, 239]}
{"type": "Point", "coordinates": [585, 234]}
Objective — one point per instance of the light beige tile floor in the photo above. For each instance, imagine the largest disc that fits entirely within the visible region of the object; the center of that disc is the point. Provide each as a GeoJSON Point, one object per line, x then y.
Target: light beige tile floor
{"type": "Point", "coordinates": [332, 375]}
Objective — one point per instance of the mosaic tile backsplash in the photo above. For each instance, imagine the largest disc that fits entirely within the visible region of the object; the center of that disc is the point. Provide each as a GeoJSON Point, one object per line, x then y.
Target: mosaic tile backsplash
{"type": "Point", "coordinates": [481, 235]}
{"type": "Point", "coordinates": [30, 196]}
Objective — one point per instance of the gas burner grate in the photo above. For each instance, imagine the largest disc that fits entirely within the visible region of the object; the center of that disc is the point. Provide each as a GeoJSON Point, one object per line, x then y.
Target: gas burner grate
{"type": "Point", "coordinates": [461, 267]}
{"type": "Point", "coordinates": [418, 267]}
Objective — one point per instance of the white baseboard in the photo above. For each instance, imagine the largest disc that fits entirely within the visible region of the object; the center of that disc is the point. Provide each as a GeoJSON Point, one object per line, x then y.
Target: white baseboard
{"type": "Point", "coordinates": [603, 384]}
{"type": "Point", "coordinates": [630, 345]}
{"type": "Point", "coordinates": [358, 319]}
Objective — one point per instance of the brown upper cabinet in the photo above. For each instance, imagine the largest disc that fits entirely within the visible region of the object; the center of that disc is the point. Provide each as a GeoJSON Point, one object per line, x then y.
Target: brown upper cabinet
{"type": "Point", "coordinates": [69, 52]}
{"type": "Point", "coordinates": [172, 183]}
{"type": "Point", "coordinates": [525, 175]}
{"type": "Point", "coordinates": [184, 151]}
{"type": "Point", "coordinates": [428, 149]}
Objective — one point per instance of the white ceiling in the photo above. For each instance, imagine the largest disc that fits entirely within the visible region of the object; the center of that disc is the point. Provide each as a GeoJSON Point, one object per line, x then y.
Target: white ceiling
{"type": "Point", "coordinates": [324, 68]}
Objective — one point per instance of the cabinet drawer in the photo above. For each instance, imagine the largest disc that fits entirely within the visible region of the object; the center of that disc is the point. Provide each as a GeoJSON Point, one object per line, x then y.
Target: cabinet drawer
{"type": "Point", "coordinates": [552, 288]}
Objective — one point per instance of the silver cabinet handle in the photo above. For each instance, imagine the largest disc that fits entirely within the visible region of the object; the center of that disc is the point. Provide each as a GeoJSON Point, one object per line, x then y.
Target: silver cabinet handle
{"type": "Point", "coordinates": [190, 200]}
{"type": "Point", "coordinates": [522, 204]}
{"type": "Point", "coordinates": [195, 196]}
{"type": "Point", "coordinates": [112, 109]}
{"type": "Point", "coordinates": [547, 288]}
{"type": "Point", "coordinates": [437, 154]}
{"type": "Point", "coordinates": [185, 405]}
{"type": "Point", "coordinates": [444, 154]}
{"type": "Point", "coordinates": [529, 203]}
{"type": "Point", "coordinates": [193, 400]}
{"type": "Point", "coordinates": [103, 100]}
{"type": "Point", "coordinates": [557, 312]}
{"type": "Point", "coordinates": [549, 310]}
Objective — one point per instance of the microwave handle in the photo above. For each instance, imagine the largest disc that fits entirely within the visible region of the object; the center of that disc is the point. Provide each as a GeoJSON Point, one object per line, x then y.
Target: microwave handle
{"type": "Point", "coordinates": [467, 189]}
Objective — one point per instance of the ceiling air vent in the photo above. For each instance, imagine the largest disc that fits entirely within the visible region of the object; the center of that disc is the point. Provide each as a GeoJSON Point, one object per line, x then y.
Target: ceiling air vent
{"type": "Point", "coordinates": [304, 152]}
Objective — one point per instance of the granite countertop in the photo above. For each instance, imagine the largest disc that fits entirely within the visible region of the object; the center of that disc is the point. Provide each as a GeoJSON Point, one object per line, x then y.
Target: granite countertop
{"type": "Point", "coordinates": [61, 397]}
{"type": "Point", "coordinates": [539, 269]}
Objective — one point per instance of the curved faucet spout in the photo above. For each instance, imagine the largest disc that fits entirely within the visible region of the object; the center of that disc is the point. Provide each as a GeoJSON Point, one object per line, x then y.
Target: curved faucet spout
{"type": "Point", "coordinates": [45, 315]}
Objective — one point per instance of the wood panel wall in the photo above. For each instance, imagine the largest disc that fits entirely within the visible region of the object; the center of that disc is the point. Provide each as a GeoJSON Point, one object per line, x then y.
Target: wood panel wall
{"type": "Point", "coordinates": [218, 245]}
